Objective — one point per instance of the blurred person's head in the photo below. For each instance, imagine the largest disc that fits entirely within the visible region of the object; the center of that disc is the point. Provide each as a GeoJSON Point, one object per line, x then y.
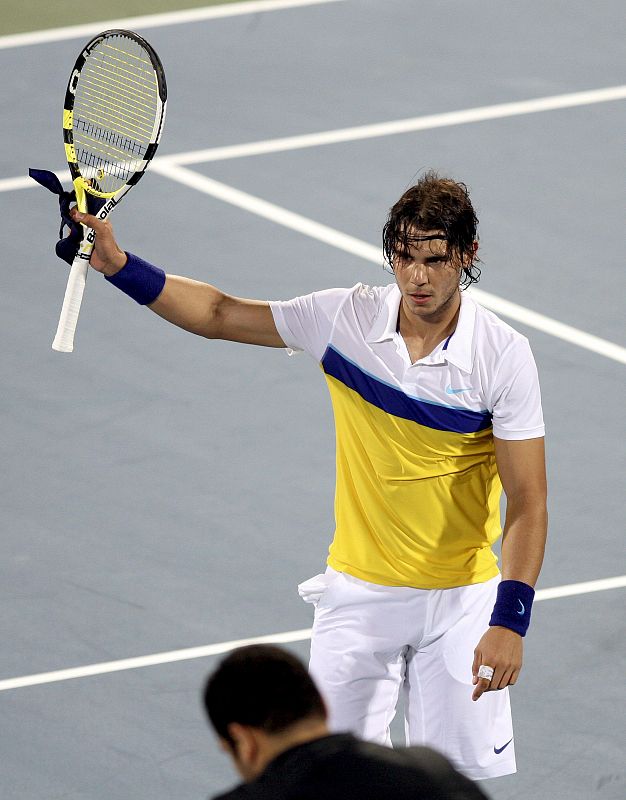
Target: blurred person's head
{"type": "Point", "coordinates": [261, 701]}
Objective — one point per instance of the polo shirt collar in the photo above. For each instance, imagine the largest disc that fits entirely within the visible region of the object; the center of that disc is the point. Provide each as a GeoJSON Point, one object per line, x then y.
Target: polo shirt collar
{"type": "Point", "coordinates": [385, 324]}
{"type": "Point", "coordinates": [460, 345]}
{"type": "Point", "coordinates": [458, 350]}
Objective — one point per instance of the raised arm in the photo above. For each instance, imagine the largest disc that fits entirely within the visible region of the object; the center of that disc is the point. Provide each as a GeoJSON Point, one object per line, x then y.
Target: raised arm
{"type": "Point", "coordinates": [202, 309]}
{"type": "Point", "coordinates": [195, 306]}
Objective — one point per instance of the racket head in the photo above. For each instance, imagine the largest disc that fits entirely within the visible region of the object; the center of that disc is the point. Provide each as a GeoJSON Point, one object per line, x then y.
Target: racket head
{"type": "Point", "coordinates": [113, 112]}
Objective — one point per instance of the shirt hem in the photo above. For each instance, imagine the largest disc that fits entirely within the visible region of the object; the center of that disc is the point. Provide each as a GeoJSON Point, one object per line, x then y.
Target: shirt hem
{"type": "Point", "coordinates": [418, 583]}
{"type": "Point", "coordinates": [532, 433]}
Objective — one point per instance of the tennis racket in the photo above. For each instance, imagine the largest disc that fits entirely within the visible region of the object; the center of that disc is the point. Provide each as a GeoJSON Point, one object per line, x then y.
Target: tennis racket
{"type": "Point", "coordinates": [112, 122]}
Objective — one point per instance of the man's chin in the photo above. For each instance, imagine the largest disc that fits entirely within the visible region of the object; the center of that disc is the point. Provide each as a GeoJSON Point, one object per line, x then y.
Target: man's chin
{"type": "Point", "coordinates": [423, 309]}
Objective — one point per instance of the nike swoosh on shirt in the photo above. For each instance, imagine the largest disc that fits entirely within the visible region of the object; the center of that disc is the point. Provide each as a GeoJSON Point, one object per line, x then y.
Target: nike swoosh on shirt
{"type": "Point", "coordinates": [450, 390]}
{"type": "Point", "coordinates": [498, 750]}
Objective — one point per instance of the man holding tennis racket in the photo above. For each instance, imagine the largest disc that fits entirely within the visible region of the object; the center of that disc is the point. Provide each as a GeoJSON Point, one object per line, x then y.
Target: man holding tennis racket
{"type": "Point", "coordinates": [437, 408]}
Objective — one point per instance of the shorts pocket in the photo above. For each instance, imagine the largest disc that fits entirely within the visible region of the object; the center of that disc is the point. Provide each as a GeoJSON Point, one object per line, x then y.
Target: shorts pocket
{"type": "Point", "coordinates": [311, 591]}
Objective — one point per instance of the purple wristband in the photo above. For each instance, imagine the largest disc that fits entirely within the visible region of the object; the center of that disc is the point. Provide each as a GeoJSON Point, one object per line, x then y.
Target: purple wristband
{"type": "Point", "coordinates": [513, 605]}
{"type": "Point", "coordinates": [140, 280]}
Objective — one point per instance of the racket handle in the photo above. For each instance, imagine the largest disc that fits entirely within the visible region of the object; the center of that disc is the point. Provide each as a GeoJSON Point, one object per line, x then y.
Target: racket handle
{"type": "Point", "coordinates": [64, 338]}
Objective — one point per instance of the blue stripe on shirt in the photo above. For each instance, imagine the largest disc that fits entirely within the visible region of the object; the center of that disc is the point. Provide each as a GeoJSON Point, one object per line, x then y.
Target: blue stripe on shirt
{"type": "Point", "coordinates": [394, 401]}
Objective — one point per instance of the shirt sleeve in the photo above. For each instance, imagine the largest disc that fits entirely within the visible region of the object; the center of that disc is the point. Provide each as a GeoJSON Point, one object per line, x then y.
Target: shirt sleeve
{"type": "Point", "coordinates": [516, 397]}
{"type": "Point", "coordinates": [306, 323]}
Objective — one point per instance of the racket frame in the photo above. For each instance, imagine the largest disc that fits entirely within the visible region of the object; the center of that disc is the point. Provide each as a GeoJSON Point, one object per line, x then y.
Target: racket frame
{"type": "Point", "coordinates": [64, 338]}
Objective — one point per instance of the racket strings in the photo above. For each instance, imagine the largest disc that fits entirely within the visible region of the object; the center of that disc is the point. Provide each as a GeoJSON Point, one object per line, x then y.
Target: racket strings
{"type": "Point", "coordinates": [97, 168]}
{"type": "Point", "coordinates": [103, 145]}
{"type": "Point", "coordinates": [106, 90]}
{"type": "Point", "coordinates": [136, 76]}
{"type": "Point", "coordinates": [99, 113]}
{"type": "Point", "coordinates": [111, 139]}
{"type": "Point", "coordinates": [121, 84]}
{"type": "Point", "coordinates": [116, 107]}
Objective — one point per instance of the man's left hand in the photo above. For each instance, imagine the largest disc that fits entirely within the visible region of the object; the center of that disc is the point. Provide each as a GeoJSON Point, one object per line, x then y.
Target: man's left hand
{"type": "Point", "coordinates": [502, 650]}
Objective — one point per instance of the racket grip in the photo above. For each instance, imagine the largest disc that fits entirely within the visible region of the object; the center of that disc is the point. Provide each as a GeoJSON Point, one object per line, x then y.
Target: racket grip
{"type": "Point", "coordinates": [64, 338]}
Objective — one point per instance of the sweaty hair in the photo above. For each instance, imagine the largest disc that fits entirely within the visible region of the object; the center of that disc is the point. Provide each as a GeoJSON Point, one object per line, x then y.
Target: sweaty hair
{"type": "Point", "coordinates": [435, 203]}
{"type": "Point", "coordinates": [261, 686]}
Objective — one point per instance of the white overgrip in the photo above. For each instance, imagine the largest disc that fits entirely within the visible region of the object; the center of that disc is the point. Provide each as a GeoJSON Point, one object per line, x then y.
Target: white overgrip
{"type": "Point", "coordinates": [64, 338]}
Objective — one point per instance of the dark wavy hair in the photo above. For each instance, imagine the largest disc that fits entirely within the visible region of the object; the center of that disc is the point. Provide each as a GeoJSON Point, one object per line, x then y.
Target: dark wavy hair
{"type": "Point", "coordinates": [435, 203]}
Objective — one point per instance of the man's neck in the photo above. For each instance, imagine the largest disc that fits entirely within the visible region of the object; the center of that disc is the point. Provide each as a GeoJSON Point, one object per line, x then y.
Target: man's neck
{"type": "Point", "coordinates": [423, 334]}
{"type": "Point", "coordinates": [272, 745]}
{"type": "Point", "coordinates": [295, 736]}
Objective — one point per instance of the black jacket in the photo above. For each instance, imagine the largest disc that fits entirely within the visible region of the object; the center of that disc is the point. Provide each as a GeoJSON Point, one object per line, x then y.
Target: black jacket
{"type": "Point", "coordinates": [340, 767]}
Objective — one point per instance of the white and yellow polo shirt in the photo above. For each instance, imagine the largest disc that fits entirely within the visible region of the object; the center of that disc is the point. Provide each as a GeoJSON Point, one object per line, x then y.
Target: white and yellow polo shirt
{"type": "Point", "coordinates": [417, 492]}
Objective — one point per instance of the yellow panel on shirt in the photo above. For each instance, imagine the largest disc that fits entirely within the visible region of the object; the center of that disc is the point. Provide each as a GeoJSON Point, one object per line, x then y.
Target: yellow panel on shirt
{"type": "Point", "coordinates": [414, 506]}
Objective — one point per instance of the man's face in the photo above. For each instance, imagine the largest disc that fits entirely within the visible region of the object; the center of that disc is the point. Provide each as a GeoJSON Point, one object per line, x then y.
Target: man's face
{"type": "Point", "coordinates": [427, 278]}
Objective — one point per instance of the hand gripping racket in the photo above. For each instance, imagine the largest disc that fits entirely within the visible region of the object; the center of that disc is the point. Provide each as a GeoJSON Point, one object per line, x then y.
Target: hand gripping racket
{"type": "Point", "coordinates": [112, 122]}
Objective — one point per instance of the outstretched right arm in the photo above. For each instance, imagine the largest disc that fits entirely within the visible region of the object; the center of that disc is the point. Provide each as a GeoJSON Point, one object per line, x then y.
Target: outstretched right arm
{"type": "Point", "coordinates": [197, 307]}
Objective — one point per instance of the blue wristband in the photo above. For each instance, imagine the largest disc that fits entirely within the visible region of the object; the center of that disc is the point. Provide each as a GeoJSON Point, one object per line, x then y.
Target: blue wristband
{"type": "Point", "coordinates": [139, 279]}
{"type": "Point", "coordinates": [513, 605]}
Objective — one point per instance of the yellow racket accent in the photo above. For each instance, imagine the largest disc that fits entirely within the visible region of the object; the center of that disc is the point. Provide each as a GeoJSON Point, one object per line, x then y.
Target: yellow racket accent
{"type": "Point", "coordinates": [81, 204]}
{"type": "Point", "coordinates": [85, 186]}
{"type": "Point", "coordinates": [70, 153]}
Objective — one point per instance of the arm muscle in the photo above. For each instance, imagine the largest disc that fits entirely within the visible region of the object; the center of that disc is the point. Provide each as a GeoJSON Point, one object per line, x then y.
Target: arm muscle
{"type": "Point", "coordinates": [521, 464]}
{"type": "Point", "coordinates": [206, 311]}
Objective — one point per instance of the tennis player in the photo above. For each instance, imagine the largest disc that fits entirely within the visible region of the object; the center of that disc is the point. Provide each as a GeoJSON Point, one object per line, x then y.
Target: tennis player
{"type": "Point", "coordinates": [271, 720]}
{"type": "Point", "coordinates": [437, 408]}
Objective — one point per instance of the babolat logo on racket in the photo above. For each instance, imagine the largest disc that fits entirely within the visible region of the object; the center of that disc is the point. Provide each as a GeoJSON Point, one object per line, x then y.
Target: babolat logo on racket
{"type": "Point", "coordinates": [107, 207]}
{"type": "Point", "coordinates": [102, 214]}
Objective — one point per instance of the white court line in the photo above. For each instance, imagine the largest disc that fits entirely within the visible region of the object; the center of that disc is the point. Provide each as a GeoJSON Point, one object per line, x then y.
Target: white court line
{"type": "Point", "coordinates": [301, 635]}
{"type": "Point", "coordinates": [361, 249]}
{"type": "Point", "coordinates": [619, 582]}
{"type": "Point", "coordinates": [552, 327]}
{"type": "Point", "coordinates": [154, 21]}
{"type": "Point", "coordinates": [410, 125]}
{"type": "Point", "coordinates": [269, 211]}
{"type": "Point", "coordinates": [26, 182]}
{"type": "Point", "coordinates": [371, 131]}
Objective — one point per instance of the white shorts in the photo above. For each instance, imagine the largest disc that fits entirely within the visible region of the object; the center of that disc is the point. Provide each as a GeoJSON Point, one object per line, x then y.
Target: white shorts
{"type": "Point", "coordinates": [371, 641]}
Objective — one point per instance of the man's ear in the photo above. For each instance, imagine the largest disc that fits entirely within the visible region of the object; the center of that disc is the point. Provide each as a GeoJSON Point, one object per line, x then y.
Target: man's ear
{"type": "Point", "coordinates": [246, 746]}
{"type": "Point", "coordinates": [468, 255]}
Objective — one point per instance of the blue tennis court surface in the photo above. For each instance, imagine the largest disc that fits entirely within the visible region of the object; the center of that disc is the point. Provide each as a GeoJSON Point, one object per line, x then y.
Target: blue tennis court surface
{"type": "Point", "coordinates": [161, 492]}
